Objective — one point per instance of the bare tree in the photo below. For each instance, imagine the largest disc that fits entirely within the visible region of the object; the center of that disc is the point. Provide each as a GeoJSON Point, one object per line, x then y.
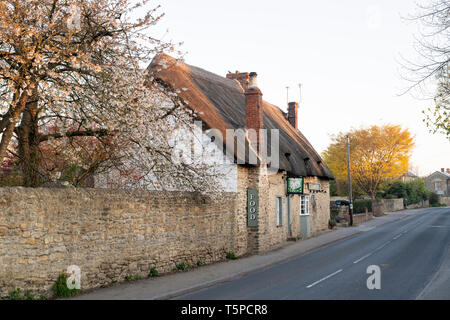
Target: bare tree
{"type": "Point", "coordinates": [432, 65]}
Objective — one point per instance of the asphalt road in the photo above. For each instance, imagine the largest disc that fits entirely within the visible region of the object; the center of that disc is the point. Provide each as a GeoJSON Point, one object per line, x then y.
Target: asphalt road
{"type": "Point", "coordinates": [409, 252]}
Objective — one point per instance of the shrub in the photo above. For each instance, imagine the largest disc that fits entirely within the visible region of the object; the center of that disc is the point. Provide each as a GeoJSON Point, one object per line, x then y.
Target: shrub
{"type": "Point", "coordinates": [434, 199]}
{"type": "Point", "coordinates": [333, 188]}
{"type": "Point", "coordinates": [17, 295]}
{"type": "Point", "coordinates": [427, 194]}
{"type": "Point", "coordinates": [334, 212]}
{"type": "Point", "coordinates": [436, 205]}
{"type": "Point", "coordinates": [131, 278]}
{"type": "Point", "coordinates": [10, 177]}
{"type": "Point", "coordinates": [182, 266]}
{"type": "Point", "coordinates": [60, 289]}
{"type": "Point", "coordinates": [200, 262]}
{"type": "Point", "coordinates": [153, 273]}
{"type": "Point", "coordinates": [394, 190]}
{"type": "Point", "coordinates": [231, 256]}
{"type": "Point", "coordinates": [359, 206]}
{"type": "Point", "coordinates": [413, 191]}
{"type": "Point", "coordinates": [331, 223]}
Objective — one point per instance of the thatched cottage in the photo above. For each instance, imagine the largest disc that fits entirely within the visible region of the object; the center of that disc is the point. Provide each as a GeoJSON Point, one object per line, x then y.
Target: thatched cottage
{"type": "Point", "coordinates": [287, 204]}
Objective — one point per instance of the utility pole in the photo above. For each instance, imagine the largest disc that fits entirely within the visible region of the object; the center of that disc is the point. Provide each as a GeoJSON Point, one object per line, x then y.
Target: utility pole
{"type": "Point", "coordinates": [350, 196]}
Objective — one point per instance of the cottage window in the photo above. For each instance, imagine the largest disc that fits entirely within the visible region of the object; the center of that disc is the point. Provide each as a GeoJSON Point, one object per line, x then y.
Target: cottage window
{"type": "Point", "coordinates": [279, 211]}
{"type": "Point", "coordinates": [304, 205]}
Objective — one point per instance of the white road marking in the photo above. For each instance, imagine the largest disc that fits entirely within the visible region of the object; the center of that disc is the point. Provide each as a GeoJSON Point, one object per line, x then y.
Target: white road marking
{"type": "Point", "coordinates": [398, 236]}
{"type": "Point", "coordinates": [323, 279]}
{"type": "Point", "coordinates": [383, 245]}
{"type": "Point", "coordinates": [361, 259]}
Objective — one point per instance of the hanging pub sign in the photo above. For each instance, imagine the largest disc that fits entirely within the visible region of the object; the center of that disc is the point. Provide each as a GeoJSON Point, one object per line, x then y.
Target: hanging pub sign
{"type": "Point", "coordinates": [252, 208]}
{"type": "Point", "coordinates": [295, 185]}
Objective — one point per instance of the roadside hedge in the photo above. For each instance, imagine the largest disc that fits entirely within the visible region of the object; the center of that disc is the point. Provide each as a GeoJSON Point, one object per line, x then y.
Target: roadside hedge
{"type": "Point", "coordinates": [413, 191]}
{"type": "Point", "coordinates": [359, 206]}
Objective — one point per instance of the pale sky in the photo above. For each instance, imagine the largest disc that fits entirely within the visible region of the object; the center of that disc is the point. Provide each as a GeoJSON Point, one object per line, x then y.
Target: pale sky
{"type": "Point", "coordinates": [344, 53]}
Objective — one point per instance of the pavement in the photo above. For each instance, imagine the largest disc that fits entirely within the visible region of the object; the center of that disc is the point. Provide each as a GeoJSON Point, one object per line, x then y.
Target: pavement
{"type": "Point", "coordinates": [279, 274]}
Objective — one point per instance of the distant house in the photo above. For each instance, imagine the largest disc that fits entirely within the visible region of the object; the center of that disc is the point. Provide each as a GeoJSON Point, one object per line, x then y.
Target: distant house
{"type": "Point", "coordinates": [407, 177]}
{"type": "Point", "coordinates": [439, 182]}
{"type": "Point", "coordinates": [235, 103]}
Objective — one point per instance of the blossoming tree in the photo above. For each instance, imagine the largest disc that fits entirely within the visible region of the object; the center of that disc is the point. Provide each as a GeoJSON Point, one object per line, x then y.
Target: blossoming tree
{"type": "Point", "coordinates": [73, 83]}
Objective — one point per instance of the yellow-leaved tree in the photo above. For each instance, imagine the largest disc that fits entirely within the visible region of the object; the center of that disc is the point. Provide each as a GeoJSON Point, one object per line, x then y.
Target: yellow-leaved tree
{"type": "Point", "coordinates": [377, 153]}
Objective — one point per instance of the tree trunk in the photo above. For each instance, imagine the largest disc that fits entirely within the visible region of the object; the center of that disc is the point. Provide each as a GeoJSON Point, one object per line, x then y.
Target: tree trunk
{"type": "Point", "coordinates": [29, 139]}
{"type": "Point", "coordinates": [7, 135]}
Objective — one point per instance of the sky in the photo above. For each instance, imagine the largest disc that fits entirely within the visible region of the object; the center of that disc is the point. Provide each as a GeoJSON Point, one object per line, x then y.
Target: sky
{"type": "Point", "coordinates": [346, 54]}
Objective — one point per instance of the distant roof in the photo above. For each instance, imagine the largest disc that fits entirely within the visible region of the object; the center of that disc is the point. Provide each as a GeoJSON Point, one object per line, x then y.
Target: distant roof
{"type": "Point", "coordinates": [409, 174]}
{"type": "Point", "coordinates": [445, 174]}
{"type": "Point", "coordinates": [220, 103]}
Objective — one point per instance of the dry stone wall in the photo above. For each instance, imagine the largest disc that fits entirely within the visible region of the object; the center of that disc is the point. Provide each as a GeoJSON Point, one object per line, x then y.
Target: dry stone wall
{"type": "Point", "coordinates": [109, 234]}
{"type": "Point", "coordinates": [112, 235]}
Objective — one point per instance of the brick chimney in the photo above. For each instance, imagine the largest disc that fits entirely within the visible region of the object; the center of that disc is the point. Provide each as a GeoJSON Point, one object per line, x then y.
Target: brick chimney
{"type": "Point", "coordinates": [292, 115]}
{"type": "Point", "coordinates": [243, 78]}
{"type": "Point", "coordinates": [443, 170]}
{"type": "Point", "coordinates": [253, 109]}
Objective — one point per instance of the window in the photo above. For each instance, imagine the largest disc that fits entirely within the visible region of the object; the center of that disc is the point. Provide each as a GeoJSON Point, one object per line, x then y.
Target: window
{"type": "Point", "coordinates": [304, 205]}
{"type": "Point", "coordinates": [279, 211]}
{"type": "Point", "coordinates": [439, 187]}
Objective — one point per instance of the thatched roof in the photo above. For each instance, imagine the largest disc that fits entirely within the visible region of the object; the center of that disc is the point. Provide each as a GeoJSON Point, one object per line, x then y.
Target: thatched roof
{"type": "Point", "coordinates": [220, 103]}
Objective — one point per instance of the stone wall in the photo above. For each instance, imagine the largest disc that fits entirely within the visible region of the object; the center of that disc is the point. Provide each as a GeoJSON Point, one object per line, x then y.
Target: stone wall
{"type": "Point", "coordinates": [362, 217]}
{"type": "Point", "coordinates": [112, 234]}
{"type": "Point", "coordinates": [391, 205]}
{"type": "Point", "coordinates": [421, 204]}
{"type": "Point", "coordinates": [444, 200]}
{"type": "Point", "coordinates": [319, 205]}
{"type": "Point", "coordinates": [109, 234]}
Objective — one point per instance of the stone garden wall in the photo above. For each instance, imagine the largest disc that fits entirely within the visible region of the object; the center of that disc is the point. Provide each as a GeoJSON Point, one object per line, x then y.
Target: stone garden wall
{"type": "Point", "coordinates": [109, 234]}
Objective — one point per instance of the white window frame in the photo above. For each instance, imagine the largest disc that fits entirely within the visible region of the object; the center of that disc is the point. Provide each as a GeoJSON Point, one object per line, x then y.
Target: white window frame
{"type": "Point", "coordinates": [279, 211]}
{"type": "Point", "coordinates": [304, 204]}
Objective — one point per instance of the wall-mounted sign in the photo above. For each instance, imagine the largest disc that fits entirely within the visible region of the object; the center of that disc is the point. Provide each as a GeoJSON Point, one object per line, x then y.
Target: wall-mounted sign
{"type": "Point", "coordinates": [316, 188]}
{"type": "Point", "coordinates": [295, 185]}
{"type": "Point", "coordinates": [252, 208]}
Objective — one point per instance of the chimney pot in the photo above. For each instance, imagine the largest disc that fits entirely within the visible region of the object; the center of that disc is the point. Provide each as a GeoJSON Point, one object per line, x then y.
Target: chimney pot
{"type": "Point", "coordinates": [253, 80]}
{"type": "Point", "coordinates": [242, 77]}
